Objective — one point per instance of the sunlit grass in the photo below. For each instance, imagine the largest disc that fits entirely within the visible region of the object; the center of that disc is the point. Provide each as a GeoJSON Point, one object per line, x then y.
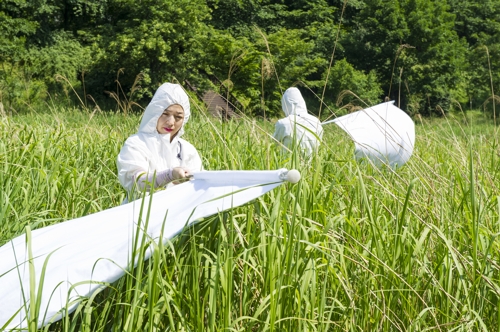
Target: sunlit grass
{"type": "Point", "coordinates": [348, 248]}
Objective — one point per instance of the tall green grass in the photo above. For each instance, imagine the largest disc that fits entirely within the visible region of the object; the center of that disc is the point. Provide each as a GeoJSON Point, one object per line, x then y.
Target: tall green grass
{"type": "Point", "coordinates": [348, 248]}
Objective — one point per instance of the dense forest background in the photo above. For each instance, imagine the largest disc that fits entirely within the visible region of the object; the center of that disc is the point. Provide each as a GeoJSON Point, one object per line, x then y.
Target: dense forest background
{"type": "Point", "coordinates": [431, 56]}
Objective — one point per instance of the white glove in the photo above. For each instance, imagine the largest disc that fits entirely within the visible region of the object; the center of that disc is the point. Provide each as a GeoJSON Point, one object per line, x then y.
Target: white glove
{"type": "Point", "coordinates": [144, 180]}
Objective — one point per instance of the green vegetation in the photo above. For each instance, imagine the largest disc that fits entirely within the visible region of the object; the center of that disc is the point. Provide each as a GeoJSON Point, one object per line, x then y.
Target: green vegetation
{"type": "Point", "coordinates": [348, 248]}
{"type": "Point", "coordinates": [428, 55]}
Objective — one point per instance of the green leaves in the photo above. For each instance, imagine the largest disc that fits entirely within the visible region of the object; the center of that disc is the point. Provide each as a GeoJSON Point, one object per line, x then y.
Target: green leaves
{"type": "Point", "coordinates": [426, 54]}
{"type": "Point", "coordinates": [350, 87]}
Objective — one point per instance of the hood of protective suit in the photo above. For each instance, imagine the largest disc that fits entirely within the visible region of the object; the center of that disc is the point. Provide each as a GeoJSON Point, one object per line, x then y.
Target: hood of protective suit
{"type": "Point", "coordinates": [166, 95]}
{"type": "Point", "coordinates": [293, 103]}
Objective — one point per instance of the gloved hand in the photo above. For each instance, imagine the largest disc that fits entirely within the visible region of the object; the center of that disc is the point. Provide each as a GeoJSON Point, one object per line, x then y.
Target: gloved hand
{"type": "Point", "coordinates": [179, 173]}
{"type": "Point", "coordinates": [171, 175]}
{"type": "Point", "coordinates": [144, 180]}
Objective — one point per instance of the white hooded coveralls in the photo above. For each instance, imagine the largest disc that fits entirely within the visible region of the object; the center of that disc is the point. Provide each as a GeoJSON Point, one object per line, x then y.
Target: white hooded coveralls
{"type": "Point", "coordinates": [298, 125]}
{"type": "Point", "coordinates": [148, 151]}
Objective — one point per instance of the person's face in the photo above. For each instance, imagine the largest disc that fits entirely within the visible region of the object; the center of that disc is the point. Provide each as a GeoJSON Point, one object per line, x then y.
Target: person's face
{"type": "Point", "coordinates": [171, 120]}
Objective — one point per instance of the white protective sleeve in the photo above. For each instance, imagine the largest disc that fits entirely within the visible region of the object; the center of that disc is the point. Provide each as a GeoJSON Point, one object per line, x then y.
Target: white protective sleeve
{"type": "Point", "coordinates": [150, 153]}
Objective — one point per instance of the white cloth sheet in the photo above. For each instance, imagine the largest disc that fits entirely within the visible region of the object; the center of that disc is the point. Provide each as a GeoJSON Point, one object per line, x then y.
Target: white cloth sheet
{"type": "Point", "coordinates": [383, 134]}
{"type": "Point", "coordinates": [83, 252]}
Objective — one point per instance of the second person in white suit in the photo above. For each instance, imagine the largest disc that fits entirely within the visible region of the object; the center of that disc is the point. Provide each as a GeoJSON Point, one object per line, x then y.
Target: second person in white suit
{"type": "Point", "coordinates": [298, 129]}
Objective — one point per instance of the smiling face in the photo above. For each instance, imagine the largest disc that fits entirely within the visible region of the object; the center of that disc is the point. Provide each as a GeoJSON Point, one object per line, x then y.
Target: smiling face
{"type": "Point", "coordinates": [170, 122]}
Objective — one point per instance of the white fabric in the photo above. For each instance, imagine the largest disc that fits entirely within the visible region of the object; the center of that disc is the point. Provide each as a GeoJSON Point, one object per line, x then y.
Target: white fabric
{"type": "Point", "coordinates": [148, 151]}
{"type": "Point", "coordinates": [298, 127]}
{"type": "Point", "coordinates": [384, 134]}
{"type": "Point", "coordinates": [97, 248]}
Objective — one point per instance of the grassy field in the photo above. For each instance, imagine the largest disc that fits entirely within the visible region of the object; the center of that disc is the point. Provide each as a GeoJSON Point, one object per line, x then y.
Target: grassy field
{"type": "Point", "coordinates": [348, 248]}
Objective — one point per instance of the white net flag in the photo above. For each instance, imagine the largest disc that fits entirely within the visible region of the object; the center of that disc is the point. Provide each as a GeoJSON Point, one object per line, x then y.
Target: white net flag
{"type": "Point", "coordinates": [382, 134]}
{"type": "Point", "coordinates": [74, 258]}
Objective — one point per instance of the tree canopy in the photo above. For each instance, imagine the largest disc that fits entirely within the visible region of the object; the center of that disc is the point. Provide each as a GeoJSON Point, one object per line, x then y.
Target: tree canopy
{"type": "Point", "coordinates": [428, 55]}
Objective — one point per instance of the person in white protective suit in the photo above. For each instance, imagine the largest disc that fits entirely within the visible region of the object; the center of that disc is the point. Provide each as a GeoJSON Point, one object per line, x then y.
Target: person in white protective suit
{"type": "Point", "coordinates": [298, 127]}
{"type": "Point", "coordinates": [157, 156]}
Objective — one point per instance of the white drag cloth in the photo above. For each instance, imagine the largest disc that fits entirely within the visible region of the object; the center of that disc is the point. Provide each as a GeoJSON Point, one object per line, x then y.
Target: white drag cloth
{"type": "Point", "coordinates": [81, 254]}
{"type": "Point", "coordinates": [384, 134]}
